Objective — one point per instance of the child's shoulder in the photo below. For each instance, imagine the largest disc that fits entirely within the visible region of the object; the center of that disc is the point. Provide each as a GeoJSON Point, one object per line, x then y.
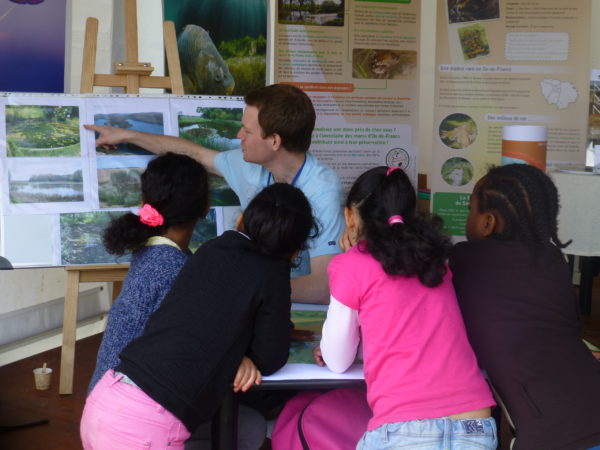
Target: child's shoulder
{"type": "Point", "coordinates": [356, 256]}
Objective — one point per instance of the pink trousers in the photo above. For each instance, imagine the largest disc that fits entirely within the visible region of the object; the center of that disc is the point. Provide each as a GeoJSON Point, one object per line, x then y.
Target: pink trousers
{"type": "Point", "coordinates": [121, 416]}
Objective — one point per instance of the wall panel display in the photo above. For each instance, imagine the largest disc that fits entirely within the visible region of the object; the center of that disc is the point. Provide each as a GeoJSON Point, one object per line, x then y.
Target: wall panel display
{"type": "Point", "coordinates": [505, 62]}
{"type": "Point", "coordinates": [59, 191]}
{"type": "Point", "coordinates": [359, 62]}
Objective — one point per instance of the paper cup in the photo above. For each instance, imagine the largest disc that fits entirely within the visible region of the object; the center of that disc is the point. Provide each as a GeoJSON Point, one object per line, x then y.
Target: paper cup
{"type": "Point", "coordinates": [524, 144]}
{"type": "Point", "coordinates": [42, 379]}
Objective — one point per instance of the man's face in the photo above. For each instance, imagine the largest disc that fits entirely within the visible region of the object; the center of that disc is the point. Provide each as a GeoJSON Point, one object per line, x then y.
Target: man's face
{"type": "Point", "coordinates": [255, 148]}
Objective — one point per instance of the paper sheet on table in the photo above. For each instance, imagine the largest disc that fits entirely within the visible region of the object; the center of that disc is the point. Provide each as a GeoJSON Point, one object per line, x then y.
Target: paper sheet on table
{"type": "Point", "coordinates": [314, 372]}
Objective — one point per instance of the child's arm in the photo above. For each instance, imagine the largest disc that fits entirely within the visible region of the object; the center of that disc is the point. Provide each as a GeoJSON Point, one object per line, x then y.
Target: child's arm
{"type": "Point", "coordinates": [247, 375]}
{"type": "Point", "coordinates": [341, 336]}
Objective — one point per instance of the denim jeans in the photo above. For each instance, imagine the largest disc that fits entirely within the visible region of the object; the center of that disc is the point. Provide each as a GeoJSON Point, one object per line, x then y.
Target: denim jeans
{"type": "Point", "coordinates": [432, 434]}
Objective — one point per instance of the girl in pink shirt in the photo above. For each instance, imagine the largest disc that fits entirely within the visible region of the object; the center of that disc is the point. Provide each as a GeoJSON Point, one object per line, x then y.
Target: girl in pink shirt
{"type": "Point", "coordinates": [392, 291]}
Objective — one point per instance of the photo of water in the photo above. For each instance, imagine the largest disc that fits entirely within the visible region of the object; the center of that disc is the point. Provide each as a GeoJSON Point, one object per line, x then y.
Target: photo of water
{"type": "Point", "coordinates": [45, 181]}
{"type": "Point", "coordinates": [148, 122]}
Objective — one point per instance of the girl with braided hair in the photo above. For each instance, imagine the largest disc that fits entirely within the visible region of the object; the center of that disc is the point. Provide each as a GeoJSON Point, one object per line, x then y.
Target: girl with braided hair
{"type": "Point", "coordinates": [515, 292]}
{"type": "Point", "coordinates": [392, 291]}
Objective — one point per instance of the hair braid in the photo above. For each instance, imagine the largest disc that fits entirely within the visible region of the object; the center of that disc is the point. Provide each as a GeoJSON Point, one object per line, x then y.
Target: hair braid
{"type": "Point", "coordinates": [526, 199]}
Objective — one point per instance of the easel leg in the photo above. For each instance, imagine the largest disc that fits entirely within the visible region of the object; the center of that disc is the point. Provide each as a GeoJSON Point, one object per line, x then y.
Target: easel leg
{"type": "Point", "coordinates": [67, 355]}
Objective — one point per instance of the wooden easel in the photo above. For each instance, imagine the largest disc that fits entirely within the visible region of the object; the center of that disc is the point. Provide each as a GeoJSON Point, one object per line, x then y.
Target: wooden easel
{"type": "Point", "coordinates": [131, 75]}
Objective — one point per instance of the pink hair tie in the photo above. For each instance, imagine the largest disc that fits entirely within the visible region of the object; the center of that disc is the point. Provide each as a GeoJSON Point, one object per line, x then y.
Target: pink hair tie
{"type": "Point", "coordinates": [150, 216]}
{"type": "Point", "coordinates": [395, 219]}
{"type": "Point", "coordinates": [391, 169]}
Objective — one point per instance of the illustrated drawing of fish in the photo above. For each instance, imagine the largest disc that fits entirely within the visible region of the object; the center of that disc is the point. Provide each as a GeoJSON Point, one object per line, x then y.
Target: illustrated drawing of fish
{"type": "Point", "coordinates": [203, 69]}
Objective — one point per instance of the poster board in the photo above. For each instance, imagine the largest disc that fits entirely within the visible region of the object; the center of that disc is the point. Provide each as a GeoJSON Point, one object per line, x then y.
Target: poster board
{"type": "Point", "coordinates": [359, 62]}
{"type": "Point", "coordinates": [58, 191]}
{"type": "Point", "coordinates": [505, 63]}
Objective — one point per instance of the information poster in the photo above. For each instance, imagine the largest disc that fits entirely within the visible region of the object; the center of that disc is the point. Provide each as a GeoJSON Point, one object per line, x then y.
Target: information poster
{"type": "Point", "coordinates": [504, 62]}
{"type": "Point", "coordinates": [358, 61]}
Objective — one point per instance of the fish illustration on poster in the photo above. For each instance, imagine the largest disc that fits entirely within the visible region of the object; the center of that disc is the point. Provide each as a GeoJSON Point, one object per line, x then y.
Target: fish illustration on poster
{"type": "Point", "coordinates": [222, 44]}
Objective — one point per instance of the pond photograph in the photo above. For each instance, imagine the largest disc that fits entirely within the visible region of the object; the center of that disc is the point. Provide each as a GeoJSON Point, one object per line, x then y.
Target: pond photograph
{"type": "Point", "coordinates": [41, 131]}
{"type": "Point", "coordinates": [205, 230]}
{"type": "Point", "coordinates": [45, 181]}
{"type": "Point", "coordinates": [148, 122]}
{"type": "Point", "coordinates": [81, 238]}
{"type": "Point", "coordinates": [119, 180]}
{"type": "Point", "coordinates": [214, 128]}
{"type": "Point", "coordinates": [314, 12]}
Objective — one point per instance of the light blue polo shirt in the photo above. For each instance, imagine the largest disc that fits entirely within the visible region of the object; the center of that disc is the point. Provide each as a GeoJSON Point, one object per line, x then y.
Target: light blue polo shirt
{"type": "Point", "coordinates": [320, 184]}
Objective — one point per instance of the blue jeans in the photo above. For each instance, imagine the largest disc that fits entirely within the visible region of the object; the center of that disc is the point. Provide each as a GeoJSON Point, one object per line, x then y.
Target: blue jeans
{"type": "Point", "coordinates": [432, 434]}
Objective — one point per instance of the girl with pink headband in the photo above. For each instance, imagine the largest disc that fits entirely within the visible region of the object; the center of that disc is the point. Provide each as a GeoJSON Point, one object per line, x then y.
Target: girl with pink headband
{"type": "Point", "coordinates": [174, 196]}
{"type": "Point", "coordinates": [392, 292]}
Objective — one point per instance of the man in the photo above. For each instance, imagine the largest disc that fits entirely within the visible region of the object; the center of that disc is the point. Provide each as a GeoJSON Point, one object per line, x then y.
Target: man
{"type": "Point", "coordinates": [275, 136]}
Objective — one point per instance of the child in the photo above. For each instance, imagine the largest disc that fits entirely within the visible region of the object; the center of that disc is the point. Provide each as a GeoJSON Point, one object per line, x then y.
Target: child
{"type": "Point", "coordinates": [229, 307]}
{"type": "Point", "coordinates": [517, 299]}
{"type": "Point", "coordinates": [392, 291]}
{"type": "Point", "coordinates": [174, 197]}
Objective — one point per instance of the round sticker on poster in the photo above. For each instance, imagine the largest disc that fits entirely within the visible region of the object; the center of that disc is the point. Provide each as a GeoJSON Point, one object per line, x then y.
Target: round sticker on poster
{"type": "Point", "coordinates": [397, 157]}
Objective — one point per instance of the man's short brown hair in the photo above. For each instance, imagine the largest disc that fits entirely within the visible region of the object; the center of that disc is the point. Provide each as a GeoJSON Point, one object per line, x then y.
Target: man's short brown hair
{"type": "Point", "coordinates": [286, 110]}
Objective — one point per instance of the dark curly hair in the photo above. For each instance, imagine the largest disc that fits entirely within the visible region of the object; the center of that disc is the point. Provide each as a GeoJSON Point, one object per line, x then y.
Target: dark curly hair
{"type": "Point", "coordinates": [526, 199]}
{"type": "Point", "coordinates": [416, 247]}
{"type": "Point", "coordinates": [279, 220]}
{"type": "Point", "coordinates": [177, 187]}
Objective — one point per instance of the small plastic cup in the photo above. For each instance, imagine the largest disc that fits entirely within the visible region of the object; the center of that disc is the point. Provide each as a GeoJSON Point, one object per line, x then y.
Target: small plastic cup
{"type": "Point", "coordinates": [43, 376]}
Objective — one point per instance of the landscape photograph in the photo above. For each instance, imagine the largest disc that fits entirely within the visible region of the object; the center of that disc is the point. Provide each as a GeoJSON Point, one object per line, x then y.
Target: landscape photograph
{"type": "Point", "coordinates": [149, 122]}
{"type": "Point", "coordinates": [311, 12]}
{"type": "Point", "coordinates": [205, 229]}
{"type": "Point", "coordinates": [119, 180]}
{"type": "Point", "coordinates": [81, 238]}
{"type": "Point", "coordinates": [42, 131]}
{"type": "Point", "coordinates": [45, 181]}
{"type": "Point", "coordinates": [215, 128]}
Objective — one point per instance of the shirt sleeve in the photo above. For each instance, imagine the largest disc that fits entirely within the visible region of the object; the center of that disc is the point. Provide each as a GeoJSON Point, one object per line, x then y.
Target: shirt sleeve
{"type": "Point", "coordinates": [341, 336]}
{"type": "Point", "coordinates": [242, 177]}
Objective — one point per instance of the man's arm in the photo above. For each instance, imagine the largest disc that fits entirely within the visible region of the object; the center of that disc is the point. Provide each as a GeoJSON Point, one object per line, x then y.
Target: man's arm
{"type": "Point", "coordinates": [110, 137]}
{"type": "Point", "coordinates": [313, 288]}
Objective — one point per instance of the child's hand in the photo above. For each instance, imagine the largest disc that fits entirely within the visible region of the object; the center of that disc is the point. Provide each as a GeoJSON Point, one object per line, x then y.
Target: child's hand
{"type": "Point", "coordinates": [247, 375]}
{"type": "Point", "coordinates": [318, 356]}
{"type": "Point", "coordinates": [348, 239]}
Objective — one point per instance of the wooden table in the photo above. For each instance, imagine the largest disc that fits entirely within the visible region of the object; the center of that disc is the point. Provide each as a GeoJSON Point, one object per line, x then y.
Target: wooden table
{"type": "Point", "coordinates": [75, 275]}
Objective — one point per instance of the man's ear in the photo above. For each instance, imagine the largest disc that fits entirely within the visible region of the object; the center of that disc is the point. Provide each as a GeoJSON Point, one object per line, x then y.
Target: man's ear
{"type": "Point", "coordinates": [276, 144]}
